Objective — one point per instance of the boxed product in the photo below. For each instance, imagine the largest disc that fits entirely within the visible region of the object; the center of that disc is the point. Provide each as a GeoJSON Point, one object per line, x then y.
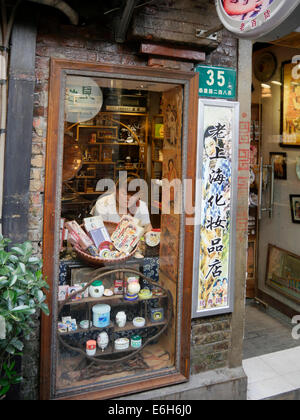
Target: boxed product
{"type": "Point", "coordinates": [73, 289]}
{"type": "Point", "coordinates": [96, 230]}
{"type": "Point", "coordinates": [122, 224]}
{"type": "Point", "coordinates": [79, 235]}
{"type": "Point", "coordinates": [62, 293]}
{"type": "Point", "coordinates": [128, 237]}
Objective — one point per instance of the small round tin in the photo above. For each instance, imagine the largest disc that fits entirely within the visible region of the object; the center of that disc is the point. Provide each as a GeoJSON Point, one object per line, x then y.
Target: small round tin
{"type": "Point", "coordinates": [121, 343]}
{"type": "Point", "coordinates": [136, 341]}
{"type": "Point", "coordinates": [138, 321]}
{"type": "Point", "coordinates": [85, 324]}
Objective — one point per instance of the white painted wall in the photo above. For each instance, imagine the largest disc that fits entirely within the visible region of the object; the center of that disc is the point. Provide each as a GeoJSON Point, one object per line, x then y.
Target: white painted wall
{"type": "Point", "coordinates": [280, 230]}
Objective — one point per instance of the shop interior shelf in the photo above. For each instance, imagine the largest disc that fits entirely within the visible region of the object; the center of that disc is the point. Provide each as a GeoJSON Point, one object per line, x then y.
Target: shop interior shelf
{"type": "Point", "coordinates": [107, 299]}
{"type": "Point", "coordinates": [128, 327]}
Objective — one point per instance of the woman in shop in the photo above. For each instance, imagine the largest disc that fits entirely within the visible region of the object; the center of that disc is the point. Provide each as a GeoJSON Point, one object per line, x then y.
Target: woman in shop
{"type": "Point", "coordinates": [111, 206]}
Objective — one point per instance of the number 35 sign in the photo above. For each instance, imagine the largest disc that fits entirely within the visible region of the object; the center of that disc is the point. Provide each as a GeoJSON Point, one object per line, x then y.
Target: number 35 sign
{"type": "Point", "coordinates": [217, 82]}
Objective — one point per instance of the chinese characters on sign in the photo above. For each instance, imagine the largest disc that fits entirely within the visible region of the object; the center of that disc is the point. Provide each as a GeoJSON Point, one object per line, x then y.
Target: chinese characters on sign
{"type": "Point", "coordinates": [212, 271]}
{"type": "Point", "coordinates": [217, 82]}
{"type": "Point", "coordinates": [83, 99]}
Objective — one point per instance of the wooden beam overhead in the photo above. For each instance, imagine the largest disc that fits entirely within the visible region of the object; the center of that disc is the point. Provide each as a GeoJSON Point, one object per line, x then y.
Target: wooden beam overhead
{"type": "Point", "coordinates": [178, 53]}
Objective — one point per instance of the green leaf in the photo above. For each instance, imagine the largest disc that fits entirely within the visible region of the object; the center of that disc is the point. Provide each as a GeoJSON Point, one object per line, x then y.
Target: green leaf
{"type": "Point", "coordinates": [4, 382]}
{"type": "Point", "coordinates": [13, 280]}
{"type": "Point", "coordinates": [10, 349]}
{"type": "Point", "coordinates": [4, 390]}
{"type": "Point", "coordinates": [39, 296]}
{"type": "Point", "coordinates": [44, 308]}
{"type": "Point", "coordinates": [17, 250]}
{"type": "Point", "coordinates": [22, 267]}
{"type": "Point", "coordinates": [17, 344]}
{"type": "Point", "coordinates": [13, 258]}
{"type": "Point", "coordinates": [3, 257]}
{"type": "Point", "coordinates": [9, 295]}
{"type": "Point", "coordinates": [20, 308]}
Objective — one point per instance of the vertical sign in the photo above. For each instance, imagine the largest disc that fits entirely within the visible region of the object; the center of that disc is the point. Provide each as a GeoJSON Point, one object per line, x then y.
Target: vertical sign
{"type": "Point", "coordinates": [217, 82]}
{"type": "Point", "coordinates": [216, 198]}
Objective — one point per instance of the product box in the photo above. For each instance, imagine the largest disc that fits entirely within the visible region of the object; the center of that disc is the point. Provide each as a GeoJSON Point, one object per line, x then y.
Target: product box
{"type": "Point", "coordinates": [73, 289]}
{"type": "Point", "coordinates": [128, 238]}
{"type": "Point", "coordinates": [96, 230]}
{"type": "Point", "coordinates": [125, 220]}
{"type": "Point", "coordinates": [85, 293]}
{"type": "Point", "coordinates": [62, 293]}
{"type": "Point", "coordinates": [78, 234]}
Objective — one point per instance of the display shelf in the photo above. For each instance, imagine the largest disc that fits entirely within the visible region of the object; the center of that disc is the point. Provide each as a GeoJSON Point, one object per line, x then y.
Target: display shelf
{"type": "Point", "coordinates": [128, 327]}
{"type": "Point", "coordinates": [104, 143]}
{"type": "Point", "coordinates": [114, 298]}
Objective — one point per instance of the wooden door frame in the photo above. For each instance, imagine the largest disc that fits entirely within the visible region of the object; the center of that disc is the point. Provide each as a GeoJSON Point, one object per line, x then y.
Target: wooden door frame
{"type": "Point", "coordinates": [189, 80]}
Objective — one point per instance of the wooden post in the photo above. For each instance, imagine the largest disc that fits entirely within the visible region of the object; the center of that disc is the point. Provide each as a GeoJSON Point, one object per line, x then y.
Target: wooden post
{"type": "Point", "coordinates": [19, 131]}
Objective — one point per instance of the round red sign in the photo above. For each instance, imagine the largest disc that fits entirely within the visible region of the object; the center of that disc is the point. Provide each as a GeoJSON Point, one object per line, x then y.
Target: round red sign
{"type": "Point", "coordinates": [254, 19]}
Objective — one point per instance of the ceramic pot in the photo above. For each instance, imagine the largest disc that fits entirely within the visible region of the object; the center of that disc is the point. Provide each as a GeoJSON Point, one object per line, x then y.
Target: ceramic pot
{"type": "Point", "coordinates": [121, 319]}
{"type": "Point", "coordinates": [96, 289]}
{"type": "Point", "coordinates": [103, 340]}
{"type": "Point", "coordinates": [133, 286]}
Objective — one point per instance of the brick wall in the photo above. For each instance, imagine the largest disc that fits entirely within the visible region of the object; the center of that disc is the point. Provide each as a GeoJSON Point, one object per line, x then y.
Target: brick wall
{"type": "Point", "coordinates": [210, 337]}
{"type": "Point", "coordinates": [210, 343]}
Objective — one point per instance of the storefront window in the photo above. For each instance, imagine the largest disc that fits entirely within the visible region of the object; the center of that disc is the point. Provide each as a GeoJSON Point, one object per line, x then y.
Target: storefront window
{"type": "Point", "coordinates": [274, 189]}
{"type": "Point", "coordinates": [121, 215]}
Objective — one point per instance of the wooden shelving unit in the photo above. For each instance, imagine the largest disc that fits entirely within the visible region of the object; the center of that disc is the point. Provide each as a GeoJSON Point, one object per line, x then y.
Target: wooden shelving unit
{"type": "Point", "coordinates": [104, 152]}
{"type": "Point", "coordinates": [157, 138]}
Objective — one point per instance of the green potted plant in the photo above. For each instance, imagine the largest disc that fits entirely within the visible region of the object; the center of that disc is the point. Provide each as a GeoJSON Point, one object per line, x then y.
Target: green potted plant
{"type": "Point", "coordinates": [21, 296]}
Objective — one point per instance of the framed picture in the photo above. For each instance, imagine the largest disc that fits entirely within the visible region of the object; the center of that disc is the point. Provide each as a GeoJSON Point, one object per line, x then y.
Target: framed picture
{"type": "Point", "coordinates": [283, 272]}
{"type": "Point", "coordinates": [280, 164]}
{"type": "Point", "coordinates": [107, 154]}
{"type": "Point", "coordinates": [295, 207]}
{"type": "Point", "coordinates": [216, 198]}
{"type": "Point", "coordinates": [290, 119]}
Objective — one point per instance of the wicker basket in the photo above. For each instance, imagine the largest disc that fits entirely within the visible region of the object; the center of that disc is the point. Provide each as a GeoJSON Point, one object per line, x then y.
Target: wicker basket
{"type": "Point", "coordinates": [100, 262]}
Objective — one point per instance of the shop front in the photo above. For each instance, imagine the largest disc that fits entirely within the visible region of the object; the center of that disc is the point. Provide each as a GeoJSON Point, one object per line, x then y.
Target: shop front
{"type": "Point", "coordinates": [121, 287]}
{"type": "Point", "coordinates": [138, 200]}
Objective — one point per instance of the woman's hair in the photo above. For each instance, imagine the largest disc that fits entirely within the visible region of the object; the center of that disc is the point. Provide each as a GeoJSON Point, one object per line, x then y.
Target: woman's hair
{"type": "Point", "coordinates": [123, 184]}
{"type": "Point", "coordinates": [170, 160]}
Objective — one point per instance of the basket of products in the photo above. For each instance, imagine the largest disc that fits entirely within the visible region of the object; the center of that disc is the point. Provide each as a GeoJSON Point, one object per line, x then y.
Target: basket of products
{"type": "Point", "coordinates": [98, 243]}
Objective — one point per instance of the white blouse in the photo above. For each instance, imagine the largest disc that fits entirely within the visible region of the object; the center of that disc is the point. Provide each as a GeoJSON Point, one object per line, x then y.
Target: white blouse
{"type": "Point", "coordinates": [107, 208]}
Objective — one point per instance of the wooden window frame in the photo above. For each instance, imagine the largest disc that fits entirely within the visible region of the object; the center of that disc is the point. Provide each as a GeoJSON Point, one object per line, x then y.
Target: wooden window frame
{"type": "Point", "coordinates": [58, 70]}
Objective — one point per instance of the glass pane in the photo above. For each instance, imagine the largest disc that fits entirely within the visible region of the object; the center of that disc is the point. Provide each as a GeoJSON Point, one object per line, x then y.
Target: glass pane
{"type": "Point", "coordinates": [275, 145]}
{"type": "Point", "coordinates": [120, 229]}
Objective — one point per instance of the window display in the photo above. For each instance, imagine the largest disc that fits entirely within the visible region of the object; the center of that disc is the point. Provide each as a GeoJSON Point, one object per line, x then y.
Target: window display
{"type": "Point", "coordinates": [117, 292]}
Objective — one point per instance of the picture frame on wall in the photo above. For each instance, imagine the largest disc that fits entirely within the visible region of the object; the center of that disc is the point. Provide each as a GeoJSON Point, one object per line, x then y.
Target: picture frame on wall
{"type": "Point", "coordinates": [280, 164]}
{"type": "Point", "coordinates": [215, 222]}
{"type": "Point", "coordinates": [290, 109]}
{"type": "Point", "coordinates": [295, 207]}
{"type": "Point", "coordinates": [283, 272]}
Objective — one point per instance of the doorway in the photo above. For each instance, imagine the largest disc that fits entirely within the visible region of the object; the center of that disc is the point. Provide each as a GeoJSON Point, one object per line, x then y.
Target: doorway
{"type": "Point", "coordinates": [273, 271]}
